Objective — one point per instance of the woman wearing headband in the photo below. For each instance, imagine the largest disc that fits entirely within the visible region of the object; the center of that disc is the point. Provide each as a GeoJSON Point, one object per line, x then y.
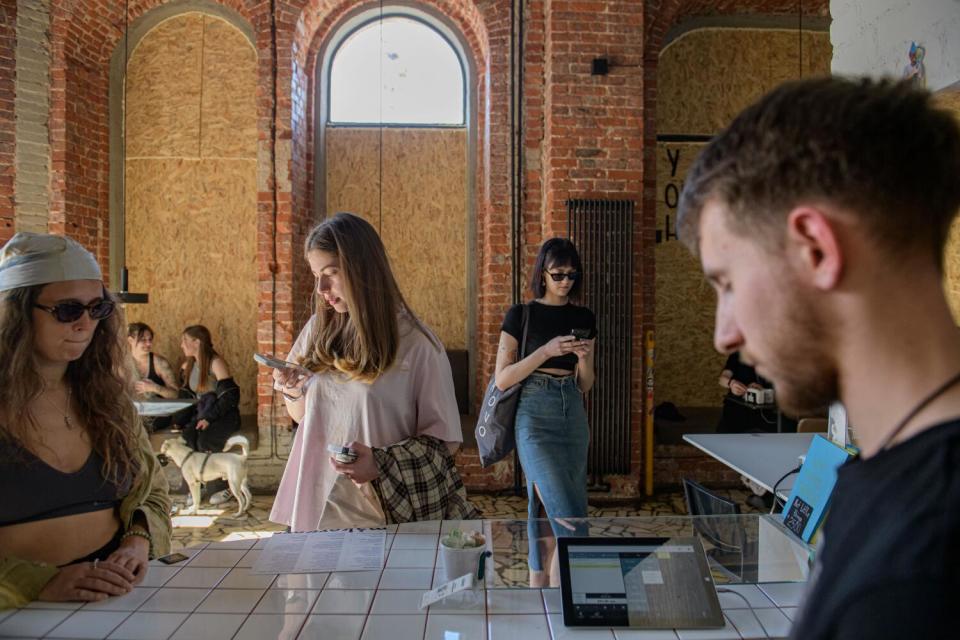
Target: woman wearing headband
{"type": "Point", "coordinates": [83, 502]}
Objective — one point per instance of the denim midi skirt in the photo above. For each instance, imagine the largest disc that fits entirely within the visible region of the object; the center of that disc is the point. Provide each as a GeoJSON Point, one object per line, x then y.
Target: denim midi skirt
{"type": "Point", "coordinates": [552, 439]}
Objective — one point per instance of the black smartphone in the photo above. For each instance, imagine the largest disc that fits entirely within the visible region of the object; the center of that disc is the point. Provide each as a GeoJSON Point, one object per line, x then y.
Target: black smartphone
{"type": "Point", "coordinates": [582, 334]}
{"type": "Point", "coordinates": [173, 558]}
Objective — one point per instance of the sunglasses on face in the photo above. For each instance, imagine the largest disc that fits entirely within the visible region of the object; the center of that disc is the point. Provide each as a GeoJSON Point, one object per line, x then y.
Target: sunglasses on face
{"type": "Point", "coordinates": [573, 276]}
{"type": "Point", "coordinates": [71, 311]}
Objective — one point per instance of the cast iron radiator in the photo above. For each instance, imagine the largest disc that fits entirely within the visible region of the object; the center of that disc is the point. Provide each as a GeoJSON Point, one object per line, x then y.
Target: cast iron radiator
{"type": "Point", "coordinates": [602, 232]}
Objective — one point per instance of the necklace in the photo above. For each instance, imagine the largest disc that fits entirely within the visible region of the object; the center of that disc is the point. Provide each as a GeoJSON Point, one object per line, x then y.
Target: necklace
{"type": "Point", "coordinates": [920, 405]}
{"type": "Point", "coordinates": [66, 414]}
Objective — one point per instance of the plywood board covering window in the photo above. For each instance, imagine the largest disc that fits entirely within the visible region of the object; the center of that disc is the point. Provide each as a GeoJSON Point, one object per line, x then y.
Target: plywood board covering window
{"type": "Point", "coordinates": [191, 191]}
{"type": "Point", "coordinates": [705, 78]}
{"type": "Point", "coordinates": [419, 207]}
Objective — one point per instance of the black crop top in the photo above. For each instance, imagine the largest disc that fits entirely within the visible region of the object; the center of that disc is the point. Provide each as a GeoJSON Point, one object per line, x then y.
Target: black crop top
{"type": "Point", "coordinates": [152, 374]}
{"type": "Point", "coordinates": [30, 489]}
{"type": "Point", "coordinates": [546, 322]}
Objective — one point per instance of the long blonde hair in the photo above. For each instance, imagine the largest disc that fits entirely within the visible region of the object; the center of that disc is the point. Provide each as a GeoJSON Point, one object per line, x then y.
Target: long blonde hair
{"type": "Point", "coordinates": [362, 343]}
{"type": "Point", "coordinates": [205, 357]}
{"type": "Point", "coordinates": [100, 387]}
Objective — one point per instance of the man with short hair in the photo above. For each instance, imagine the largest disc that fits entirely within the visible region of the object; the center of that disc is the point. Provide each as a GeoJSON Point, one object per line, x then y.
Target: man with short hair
{"type": "Point", "coordinates": [820, 218]}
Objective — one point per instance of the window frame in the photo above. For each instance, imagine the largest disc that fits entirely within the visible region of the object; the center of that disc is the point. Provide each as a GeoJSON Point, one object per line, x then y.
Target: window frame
{"type": "Point", "coordinates": [343, 36]}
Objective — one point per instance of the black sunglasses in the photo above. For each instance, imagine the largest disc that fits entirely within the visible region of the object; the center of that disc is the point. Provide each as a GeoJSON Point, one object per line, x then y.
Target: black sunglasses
{"type": "Point", "coordinates": [71, 311]}
{"type": "Point", "coordinates": [558, 277]}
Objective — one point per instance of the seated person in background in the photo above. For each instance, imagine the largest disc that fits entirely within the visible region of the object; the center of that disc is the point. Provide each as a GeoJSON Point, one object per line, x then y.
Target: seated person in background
{"type": "Point", "coordinates": [216, 416]}
{"type": "Point", "coordinates": [152, 374]}
{"type": "Point", "coordinates": [736, 378]}
{"type": "Point", "coordinates": [155, 377]}
{"type": "Point", "coordinates": [82, 503]}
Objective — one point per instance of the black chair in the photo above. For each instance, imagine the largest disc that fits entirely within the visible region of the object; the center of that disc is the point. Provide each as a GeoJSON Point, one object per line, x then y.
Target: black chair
{"type": "Point", "coordinates": [726, 536]}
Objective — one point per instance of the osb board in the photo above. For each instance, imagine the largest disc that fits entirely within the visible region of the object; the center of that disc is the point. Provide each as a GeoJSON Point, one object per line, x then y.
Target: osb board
{"type": "Point", "coordinates": [687, 365]}
{"type": "Point", "coordinates": [352, 158]}
{"type": "Point", "coordinates": [951, 263]}
{"type": "Point", "coordinates": [163, 90]}
{"type": "Point", "coordinates": [707, 76]}
{"type": "Point", "coordinates": [423, 222]}
{"type": "Point", "coordinates": [229, 107]}
{"type": "Point", "coordinates": [192, 91]}
{"type": "Point", "coordinates": [191, 222]}
{"type": "Point", "coordinates": [950, 101]}
{"type": "Point", "coordinates": [191, 232]}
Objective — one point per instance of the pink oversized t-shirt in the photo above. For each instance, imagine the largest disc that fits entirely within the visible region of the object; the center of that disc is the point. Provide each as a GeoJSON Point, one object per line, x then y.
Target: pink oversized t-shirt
{"type": "Point", "coordinates": [414, 397]}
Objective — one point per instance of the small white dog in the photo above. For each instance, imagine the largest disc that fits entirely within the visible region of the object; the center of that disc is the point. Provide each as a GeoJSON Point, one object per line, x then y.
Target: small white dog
{"type": "Point", "coordinates": [198, 467]}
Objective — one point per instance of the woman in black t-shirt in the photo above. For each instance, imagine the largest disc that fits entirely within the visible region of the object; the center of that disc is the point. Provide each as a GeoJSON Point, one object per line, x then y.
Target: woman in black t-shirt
{"type": "Point", "coordinates": [556, 368]}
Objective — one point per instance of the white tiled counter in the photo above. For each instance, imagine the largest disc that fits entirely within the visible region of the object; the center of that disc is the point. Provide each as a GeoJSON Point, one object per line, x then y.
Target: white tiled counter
{"type": "Point", "coordinates": [214, 596]}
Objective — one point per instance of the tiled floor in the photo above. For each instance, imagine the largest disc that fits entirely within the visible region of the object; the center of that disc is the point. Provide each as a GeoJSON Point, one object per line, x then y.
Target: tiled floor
{"type": "Point", "coordinates": [215, 524]}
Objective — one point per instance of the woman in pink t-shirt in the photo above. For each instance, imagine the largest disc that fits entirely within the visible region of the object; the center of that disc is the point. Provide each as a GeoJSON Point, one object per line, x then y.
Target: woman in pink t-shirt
{"type": "Point", "coordinates": [375, 375]}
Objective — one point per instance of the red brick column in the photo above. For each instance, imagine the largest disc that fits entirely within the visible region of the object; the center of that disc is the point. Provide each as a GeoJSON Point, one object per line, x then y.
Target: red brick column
{"type": "Point", "coordinates": [594, 142]}
{"type": "Point", "coordinates": [276, 269]}
{"type": "Point", "coordinates": [8, 48]}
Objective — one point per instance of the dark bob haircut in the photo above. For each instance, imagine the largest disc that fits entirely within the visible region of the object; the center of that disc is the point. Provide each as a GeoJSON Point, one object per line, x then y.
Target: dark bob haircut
{"type": "Point", "coordinates": [555, 252]}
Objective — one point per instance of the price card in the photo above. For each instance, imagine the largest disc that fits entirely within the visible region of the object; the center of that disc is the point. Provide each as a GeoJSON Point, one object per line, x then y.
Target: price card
{"type": "Point", "coordinates": [462, 583]}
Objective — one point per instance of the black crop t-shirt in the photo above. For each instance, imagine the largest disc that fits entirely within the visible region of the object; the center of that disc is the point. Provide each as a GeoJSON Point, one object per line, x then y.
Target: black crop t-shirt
{"type": "Point", "coordinates": [546, 322]}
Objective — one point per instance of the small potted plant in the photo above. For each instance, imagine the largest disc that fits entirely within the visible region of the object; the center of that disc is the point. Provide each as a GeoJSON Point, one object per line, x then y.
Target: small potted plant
{"type": "Point", "coordinates": [460, 552]}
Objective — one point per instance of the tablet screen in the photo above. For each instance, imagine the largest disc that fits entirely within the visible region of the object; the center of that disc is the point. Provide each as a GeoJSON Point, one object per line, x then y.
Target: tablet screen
{"type": "Point", "coordinates": [651, 583]}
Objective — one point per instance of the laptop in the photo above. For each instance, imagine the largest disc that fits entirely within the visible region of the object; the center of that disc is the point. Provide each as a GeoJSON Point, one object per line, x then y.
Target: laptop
{"type": "Point", "coordinates": [644, 583]}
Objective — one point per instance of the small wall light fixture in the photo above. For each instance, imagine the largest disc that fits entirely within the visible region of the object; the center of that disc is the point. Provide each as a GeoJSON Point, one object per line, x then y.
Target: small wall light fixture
{"type": "Point", "coordinates": [601, 67]}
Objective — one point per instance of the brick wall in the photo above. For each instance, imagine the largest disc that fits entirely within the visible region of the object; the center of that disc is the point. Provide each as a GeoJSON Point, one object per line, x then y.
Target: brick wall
{"type": "Point", "coordinates": [673, 463]}
{"type": "Point", "coordinates": [8, 45]}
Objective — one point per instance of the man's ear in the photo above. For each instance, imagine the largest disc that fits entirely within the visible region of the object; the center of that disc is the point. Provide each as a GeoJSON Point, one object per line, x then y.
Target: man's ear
{"type": "Point", "coordinates": [814, 246]}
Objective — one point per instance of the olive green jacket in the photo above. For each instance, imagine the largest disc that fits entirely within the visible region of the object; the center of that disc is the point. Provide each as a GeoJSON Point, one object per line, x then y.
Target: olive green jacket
{"type": "Point", "coordinates": [22, 580]}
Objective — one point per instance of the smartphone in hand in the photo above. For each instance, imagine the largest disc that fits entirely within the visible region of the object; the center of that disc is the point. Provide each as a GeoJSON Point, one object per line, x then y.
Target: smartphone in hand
{"type": "Point", "coordinates": [275, 363]}
{"type": "Point", "coordinates": [582, 334]}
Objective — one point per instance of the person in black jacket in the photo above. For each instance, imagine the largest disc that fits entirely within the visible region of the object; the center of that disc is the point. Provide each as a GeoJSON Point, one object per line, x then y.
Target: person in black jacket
{"type": "Point", "coordinates": [820, 217]}
{"type": "Point", "coordinates": [216, 416]}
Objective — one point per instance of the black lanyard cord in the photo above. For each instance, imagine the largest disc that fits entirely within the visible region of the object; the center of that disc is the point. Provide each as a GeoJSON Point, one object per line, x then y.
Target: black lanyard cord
{"type": "Point", "coordinates": [936, 393]}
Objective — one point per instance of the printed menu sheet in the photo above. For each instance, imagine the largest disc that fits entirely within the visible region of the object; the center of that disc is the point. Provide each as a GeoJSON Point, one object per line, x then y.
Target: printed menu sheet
{"type": "Point", "coordinates": [322, 551]}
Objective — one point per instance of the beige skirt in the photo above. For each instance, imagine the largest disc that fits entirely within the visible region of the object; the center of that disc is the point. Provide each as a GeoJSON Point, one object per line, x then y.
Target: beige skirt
{"type": "Point", "coordinates": [351, 506]}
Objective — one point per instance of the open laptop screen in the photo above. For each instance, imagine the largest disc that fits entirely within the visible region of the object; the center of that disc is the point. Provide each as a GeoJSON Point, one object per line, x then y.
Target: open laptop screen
{"type": "Point", "coordinates": [650, 583]}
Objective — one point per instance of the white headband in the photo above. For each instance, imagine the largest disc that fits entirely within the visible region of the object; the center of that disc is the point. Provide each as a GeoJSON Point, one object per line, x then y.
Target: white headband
{"type": "Point", "coordinates": [29, 259]}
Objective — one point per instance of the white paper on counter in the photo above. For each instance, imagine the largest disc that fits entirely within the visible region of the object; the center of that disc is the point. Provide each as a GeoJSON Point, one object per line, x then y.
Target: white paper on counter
{"type": "Point", "coordinates": [356, 549]}
{"type": "Point", "coordinates": [464, 582]}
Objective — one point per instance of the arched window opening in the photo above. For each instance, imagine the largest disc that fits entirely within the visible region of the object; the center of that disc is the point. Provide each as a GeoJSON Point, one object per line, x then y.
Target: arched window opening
{"type": "Point", "coordinates": [396, 70]}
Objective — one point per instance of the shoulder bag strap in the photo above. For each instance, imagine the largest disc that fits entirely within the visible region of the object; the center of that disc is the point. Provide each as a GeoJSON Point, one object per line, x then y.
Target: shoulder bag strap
{"type": "Point", "coordinates": [523, 343]}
